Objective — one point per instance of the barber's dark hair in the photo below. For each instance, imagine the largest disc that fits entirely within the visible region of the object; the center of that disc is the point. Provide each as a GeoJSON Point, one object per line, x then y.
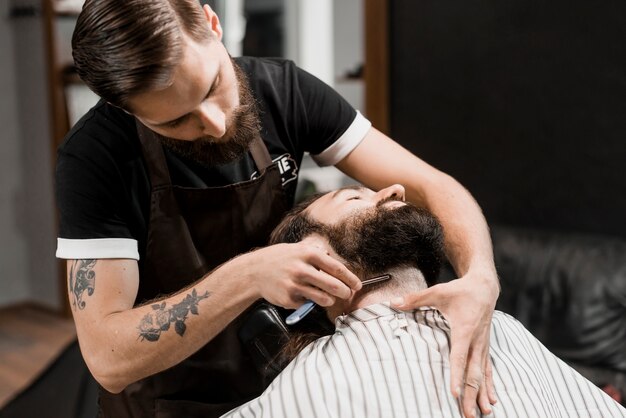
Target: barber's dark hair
{"type": "Point", "coordinates": [122, 48]}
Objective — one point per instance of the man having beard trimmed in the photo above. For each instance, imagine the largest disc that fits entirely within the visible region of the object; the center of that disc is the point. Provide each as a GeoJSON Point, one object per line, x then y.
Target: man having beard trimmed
{"type": "Point", "coordinates": [386, 362]}
{"type": "Point", "coordinates": [169, 187]}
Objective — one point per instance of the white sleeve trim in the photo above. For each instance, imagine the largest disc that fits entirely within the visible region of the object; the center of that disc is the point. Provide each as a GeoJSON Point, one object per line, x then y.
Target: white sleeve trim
{"type": "Point", "coordinates": [346, 142]}
{"type": "Point", "coordinates": [71, 249]}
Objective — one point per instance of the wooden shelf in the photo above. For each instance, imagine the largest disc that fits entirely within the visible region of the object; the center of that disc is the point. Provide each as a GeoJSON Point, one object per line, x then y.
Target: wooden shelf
{"type": "Point", "coordinates": [59, 121]}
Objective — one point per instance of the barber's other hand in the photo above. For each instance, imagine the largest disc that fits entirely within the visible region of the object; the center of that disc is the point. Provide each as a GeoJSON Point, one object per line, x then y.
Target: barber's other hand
{"type": "Point", "coordinates": [289, 274]}
{"type": "Point", "coordinates": [467, 303]}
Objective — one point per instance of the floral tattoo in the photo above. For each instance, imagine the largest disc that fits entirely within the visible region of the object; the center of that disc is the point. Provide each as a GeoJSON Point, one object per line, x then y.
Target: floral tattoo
{"type": "Point", "coordinates": [160, 319]}
{"type": "Point", "coordinates": [82, 278]}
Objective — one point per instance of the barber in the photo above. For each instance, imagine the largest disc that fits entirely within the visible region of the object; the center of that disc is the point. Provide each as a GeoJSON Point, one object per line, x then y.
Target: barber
{"type": "Point", "coordinates": [170, 182]}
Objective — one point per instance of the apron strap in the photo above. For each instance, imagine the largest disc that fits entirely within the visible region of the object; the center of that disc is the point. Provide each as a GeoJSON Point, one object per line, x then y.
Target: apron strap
{"type": "Point", "coordinates": [260, 154]}
{"type": "Point", "coordinates": [155, 158]}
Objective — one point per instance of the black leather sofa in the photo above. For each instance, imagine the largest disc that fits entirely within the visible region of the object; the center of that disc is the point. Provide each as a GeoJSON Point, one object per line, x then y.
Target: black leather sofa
{"type": "Point", "coordinates": [569, 290]}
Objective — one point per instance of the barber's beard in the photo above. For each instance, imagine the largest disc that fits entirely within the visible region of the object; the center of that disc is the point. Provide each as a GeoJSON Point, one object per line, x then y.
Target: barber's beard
{"type": "Point", "coordinates": [384, 238]}
{"type": "Point", "coordinates": [241, 128]}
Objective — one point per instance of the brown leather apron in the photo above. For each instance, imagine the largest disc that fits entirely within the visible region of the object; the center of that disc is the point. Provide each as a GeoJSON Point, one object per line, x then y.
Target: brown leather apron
{"type": "Point", "coordinates": [192, 231]}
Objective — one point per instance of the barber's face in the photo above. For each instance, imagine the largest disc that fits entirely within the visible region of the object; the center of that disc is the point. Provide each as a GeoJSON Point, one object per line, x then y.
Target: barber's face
{"type": "Point", "coordinates": [208, 113]}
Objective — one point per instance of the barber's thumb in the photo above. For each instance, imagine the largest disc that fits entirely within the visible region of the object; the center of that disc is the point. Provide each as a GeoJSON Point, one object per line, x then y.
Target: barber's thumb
{"type": "Point", "coordinates": [397, 302]}
{"type": "Point", "coordinates": [414, 300]}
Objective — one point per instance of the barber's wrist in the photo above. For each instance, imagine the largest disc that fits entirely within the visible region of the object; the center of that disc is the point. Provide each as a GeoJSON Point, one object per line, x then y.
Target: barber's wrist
{"type": "Point", "coordinates": [486, 275]}
{"type": "Point", "coordinates": [240, 272]}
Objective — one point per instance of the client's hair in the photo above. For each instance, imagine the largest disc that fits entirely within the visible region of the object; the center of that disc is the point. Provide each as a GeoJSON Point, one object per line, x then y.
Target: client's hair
{"type": "Point", "coordinates": [405, 237]}
{"type": "Point", "coordinates": [296, 225]}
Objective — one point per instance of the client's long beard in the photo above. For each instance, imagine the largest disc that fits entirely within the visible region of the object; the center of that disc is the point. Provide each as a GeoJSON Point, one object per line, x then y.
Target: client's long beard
{"type": "Point", "coordinates": [242, 127]}
{"type": "Point", "coordinates": [384, 238]}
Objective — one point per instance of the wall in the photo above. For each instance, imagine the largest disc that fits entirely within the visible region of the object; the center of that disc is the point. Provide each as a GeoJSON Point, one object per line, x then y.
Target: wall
{"type": "Point", "coordinates": [523, 103]}
{"type": "Point", "coordinates": [347, 54]}
{"type": "Point", "coordinates": [13, 267]}
{"type": "Point", "coordinates": [27, 214]}
{"type": "Point", "coordinates": [309, 32]}
{"type": "Point", "coordinates": [349, 49]}
{"type": "Point", "coordinates": [325, 38]}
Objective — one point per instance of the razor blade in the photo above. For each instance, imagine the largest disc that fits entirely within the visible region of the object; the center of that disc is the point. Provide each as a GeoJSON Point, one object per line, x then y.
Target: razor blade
{"type": "Point", "coordinates": [308, 306]}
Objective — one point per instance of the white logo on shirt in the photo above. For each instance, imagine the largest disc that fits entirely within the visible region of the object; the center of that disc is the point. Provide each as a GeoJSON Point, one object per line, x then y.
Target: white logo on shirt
{"type": "Point", "coordinates": [286, 166]}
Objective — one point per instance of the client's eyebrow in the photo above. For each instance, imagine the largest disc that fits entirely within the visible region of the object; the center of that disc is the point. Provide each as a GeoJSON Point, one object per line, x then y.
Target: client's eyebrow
{"type": "Point", "coordinates": [346, 189]}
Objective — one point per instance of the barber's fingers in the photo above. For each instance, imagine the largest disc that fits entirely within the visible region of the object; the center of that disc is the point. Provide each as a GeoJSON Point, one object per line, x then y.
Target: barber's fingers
{"type": "Point", "coordinates": [483, 400]}
{"type": "Point", "coordinates": [460, 346]}
{"type": "Point", "coordinates": [303, 293]}
{"type": "Point", "coordinates": [476, 390]}
{"type": "Point", "coordinates": [484, 403]}
{"type": "Point", "coordinates": [327, 283]}
{"type": "Point", "coordinates": [426, 297]}
{"type": "Point", "coordinates": [461, 338]}
{"type": "Point", "coordinates": [332, 276]}
{"type": "Point", "coordinates": [472, 387]}
{"type": "Point", "coordinates": [487, 394]}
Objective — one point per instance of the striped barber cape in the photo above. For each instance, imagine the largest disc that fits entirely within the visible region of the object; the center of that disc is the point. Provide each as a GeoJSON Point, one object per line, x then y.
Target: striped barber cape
{"type": "Point", "coordinates": [382, 362]}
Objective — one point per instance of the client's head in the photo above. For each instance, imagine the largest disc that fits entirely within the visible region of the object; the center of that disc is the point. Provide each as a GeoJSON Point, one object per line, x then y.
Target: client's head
{"type": "Point", "coordinates": [373, 233]}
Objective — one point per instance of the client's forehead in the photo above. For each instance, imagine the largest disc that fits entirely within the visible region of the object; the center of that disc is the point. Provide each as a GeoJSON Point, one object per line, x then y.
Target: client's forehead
{"type": "Point", "coordinates": [336, 205]}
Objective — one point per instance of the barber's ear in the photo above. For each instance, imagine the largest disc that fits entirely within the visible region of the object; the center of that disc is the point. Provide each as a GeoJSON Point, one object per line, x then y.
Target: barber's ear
{"type": "Point", "coordinates": [214, 21]}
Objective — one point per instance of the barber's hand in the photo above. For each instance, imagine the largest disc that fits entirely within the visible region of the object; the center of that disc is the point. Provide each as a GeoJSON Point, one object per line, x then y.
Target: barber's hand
{"type": "Point", "coordinates": [289, 274]}
{"type": "Point", "coordinates": [467, 303]}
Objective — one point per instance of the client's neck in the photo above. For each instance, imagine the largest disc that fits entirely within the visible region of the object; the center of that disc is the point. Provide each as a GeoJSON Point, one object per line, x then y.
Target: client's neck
{"type": "Point", "coordinates": [403, 280]}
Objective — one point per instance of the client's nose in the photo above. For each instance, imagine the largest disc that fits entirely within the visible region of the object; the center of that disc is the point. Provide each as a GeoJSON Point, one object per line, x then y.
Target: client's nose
{"type": "Point", "coordinates": [395, 191]}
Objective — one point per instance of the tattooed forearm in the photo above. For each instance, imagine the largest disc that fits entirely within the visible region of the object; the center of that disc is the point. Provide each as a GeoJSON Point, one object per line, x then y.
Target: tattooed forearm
{"type": "Point", "coordinates": [159, 320]}
{"type": "Point", "coordinates": [81, 278]}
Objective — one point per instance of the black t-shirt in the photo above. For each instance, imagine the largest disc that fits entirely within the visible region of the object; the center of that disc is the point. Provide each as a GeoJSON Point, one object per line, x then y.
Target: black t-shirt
{"type": "Point", "coordinates": [102, 184]}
